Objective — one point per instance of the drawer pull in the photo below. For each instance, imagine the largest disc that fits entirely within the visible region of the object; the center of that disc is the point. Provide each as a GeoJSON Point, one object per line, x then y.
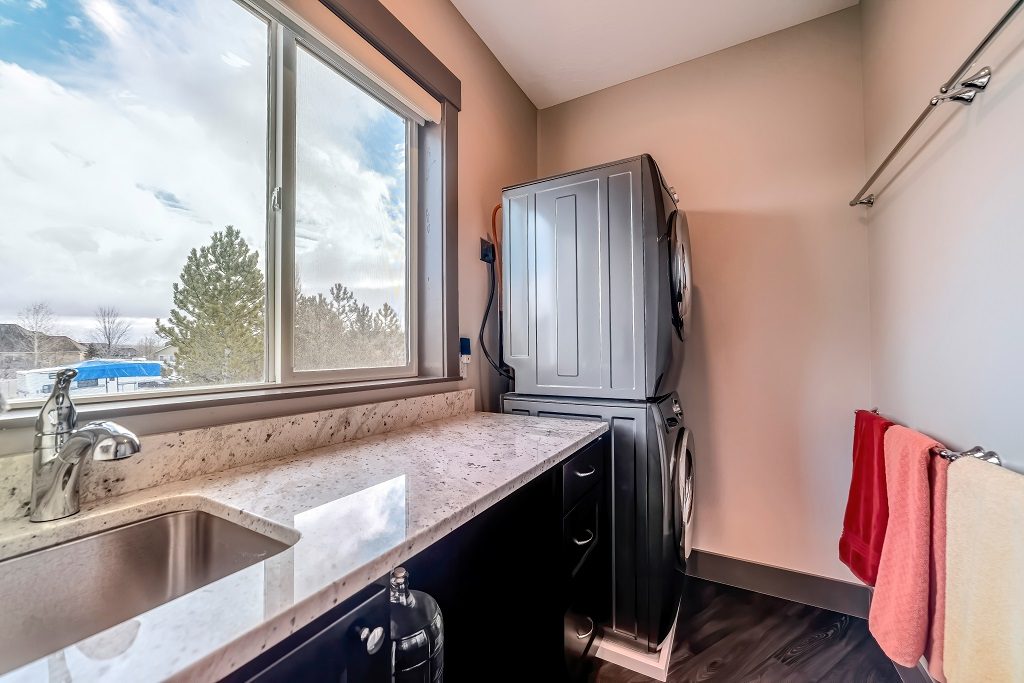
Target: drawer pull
{"type": "Point", "coordinates": [586, 540]}
{"type": "Point", "coordinates": [581, 475]}
{"type": "Point", "coordinates": [590, 631]}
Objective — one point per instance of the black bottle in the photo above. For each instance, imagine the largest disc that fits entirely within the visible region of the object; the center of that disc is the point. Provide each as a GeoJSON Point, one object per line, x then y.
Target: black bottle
{"type": "Point", "coordinates": [417, 633]}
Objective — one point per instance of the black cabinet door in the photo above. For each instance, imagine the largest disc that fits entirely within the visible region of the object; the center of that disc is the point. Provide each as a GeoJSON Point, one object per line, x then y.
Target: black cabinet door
{"type": "Point", "coordinates": [341, 648]}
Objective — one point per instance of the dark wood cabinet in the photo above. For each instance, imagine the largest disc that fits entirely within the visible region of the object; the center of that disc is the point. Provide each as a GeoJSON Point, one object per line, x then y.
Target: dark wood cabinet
{"type": "Point", "coordinates": [585, 555]}
{"type": "Point", "coordinates": [522, 588]}
{"type": "Point", "coordinates": [519, 584]}
{"type": "Point", "coordinates": [583, 472]}
{"type": "Point", "coordinates": [349, 644]}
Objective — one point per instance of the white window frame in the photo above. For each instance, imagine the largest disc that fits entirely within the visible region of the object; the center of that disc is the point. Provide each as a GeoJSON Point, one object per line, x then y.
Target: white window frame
{"type": "Point", "coordinates": [283, 221]}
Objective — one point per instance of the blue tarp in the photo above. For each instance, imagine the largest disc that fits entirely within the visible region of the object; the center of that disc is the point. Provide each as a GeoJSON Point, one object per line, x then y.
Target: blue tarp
{"type": "Point", "coordinates": [110, 369]}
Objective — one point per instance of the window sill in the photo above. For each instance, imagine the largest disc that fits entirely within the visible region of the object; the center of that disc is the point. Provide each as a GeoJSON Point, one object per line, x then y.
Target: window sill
{"type": "Point", "coordinates": [175, 413]}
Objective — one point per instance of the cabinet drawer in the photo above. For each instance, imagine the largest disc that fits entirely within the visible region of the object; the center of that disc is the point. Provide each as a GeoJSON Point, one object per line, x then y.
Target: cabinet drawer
{"type": "Point", "coordinates": [581, 473]}
{"type": "Point", "coordinates": [579, 638]}
{"type": "Point", "coordinates": [581, 531]}
{"type": "Point", "coordinates": [350, 643]}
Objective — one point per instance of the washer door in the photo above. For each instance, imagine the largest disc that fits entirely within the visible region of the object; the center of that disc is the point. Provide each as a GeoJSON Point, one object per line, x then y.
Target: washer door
{"type": "Point", "coordinates": [683, 494]}
{"type": "Point", "coordinates": [679, 268]}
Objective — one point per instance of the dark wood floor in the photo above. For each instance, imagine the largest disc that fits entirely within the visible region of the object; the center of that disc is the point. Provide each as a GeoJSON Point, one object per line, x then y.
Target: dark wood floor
{"type": "Point", "coordinates": [728, 634]}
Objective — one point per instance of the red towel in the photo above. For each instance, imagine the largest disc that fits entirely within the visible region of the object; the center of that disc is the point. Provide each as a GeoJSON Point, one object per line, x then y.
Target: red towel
{"type": "Point", "coordinates": [867, 507]}
{"type": "Point", "coordinates": [899, 616]}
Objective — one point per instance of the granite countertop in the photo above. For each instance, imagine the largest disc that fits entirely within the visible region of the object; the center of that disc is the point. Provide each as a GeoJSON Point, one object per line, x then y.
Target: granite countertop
{"type": "Point", "coordinates": [351, 512]}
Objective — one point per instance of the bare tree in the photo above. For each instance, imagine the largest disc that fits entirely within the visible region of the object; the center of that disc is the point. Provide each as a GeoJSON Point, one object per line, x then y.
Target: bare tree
{"type": "Point", "coordinates": [147, 346]}
{"type": "Point", "coordinates": [40, 322]}
{"type": "Point", "coordinates": [111, 330]}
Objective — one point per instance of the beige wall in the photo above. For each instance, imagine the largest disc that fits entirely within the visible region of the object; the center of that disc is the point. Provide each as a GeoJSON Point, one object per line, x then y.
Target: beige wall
{"type": "Point", "coordinates": [764, 142]}
{"type": "Point", "coordinates": [947, 235]}
{"type": "Point", "coordinates": [497, 147]}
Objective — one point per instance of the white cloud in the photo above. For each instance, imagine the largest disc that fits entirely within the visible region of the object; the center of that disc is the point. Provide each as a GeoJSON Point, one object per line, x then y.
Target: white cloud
{"type": "Point", "coordinates": [74, 23]}
{"type": "Point", "coordinates": [114, 165]}
{"type": "Point", "coordinates": [4, 21]}
{"type": "Point", "coordinates": [106, 16]}
{"type": "Point", "coordinates": [36, 4]}
{"type": "Point", "coordinates": [231, 59]}
{"type": "Point", "coordinates": [367, 244]}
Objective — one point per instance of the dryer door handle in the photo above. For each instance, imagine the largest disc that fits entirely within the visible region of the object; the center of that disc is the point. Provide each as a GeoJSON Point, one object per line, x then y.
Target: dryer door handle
{"type": "Point", "coordinates": [680, 272]}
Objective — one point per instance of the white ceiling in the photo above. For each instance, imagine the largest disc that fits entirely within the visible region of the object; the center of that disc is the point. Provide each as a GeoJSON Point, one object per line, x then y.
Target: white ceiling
{"type": "Point", "coordinates": [557, 50]}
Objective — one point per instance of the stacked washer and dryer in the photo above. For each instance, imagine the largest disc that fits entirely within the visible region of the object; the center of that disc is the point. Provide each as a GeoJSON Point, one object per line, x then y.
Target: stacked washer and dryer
{"type": "Point", "coordinates": [597, 288]}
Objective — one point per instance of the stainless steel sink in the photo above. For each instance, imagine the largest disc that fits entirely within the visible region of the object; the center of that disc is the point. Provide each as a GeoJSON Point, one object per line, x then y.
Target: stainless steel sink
{"type": "Point", "coordinates": [57, 596]}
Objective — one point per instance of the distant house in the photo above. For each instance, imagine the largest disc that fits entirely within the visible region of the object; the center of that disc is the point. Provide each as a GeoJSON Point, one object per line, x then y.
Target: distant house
{"type": "Point", "coordinates": [118, 351]}
{"type": "Point", "coordinates": [123, 351]}
{"type": "Point", "coordinates": [23, 349]}
{"type": "Point", "coordinates": [167, 354]}
{"type": "Point", "coordinates": [66, 346]}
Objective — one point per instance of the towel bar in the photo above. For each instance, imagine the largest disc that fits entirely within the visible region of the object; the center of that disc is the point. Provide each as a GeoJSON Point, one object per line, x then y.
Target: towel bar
{"type": "Point", "coordinates": [976, 452]}
{"type": "Point", "coordinates": [969, 87]}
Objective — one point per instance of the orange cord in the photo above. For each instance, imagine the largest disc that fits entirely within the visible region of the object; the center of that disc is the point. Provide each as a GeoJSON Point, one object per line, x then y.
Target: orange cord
{"type": "Point", "coordinates": [496, 239]}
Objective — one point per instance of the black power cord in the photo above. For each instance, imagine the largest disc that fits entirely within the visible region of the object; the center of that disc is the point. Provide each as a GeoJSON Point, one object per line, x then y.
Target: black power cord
{"type": "Point", "coordinates": [487, 256]}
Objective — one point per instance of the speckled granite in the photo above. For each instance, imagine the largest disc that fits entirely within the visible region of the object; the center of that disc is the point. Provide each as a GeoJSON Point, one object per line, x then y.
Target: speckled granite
{"type": "Point", "coordinates": [177, 456]}
{"type": "Point", "coordinates": [15, 485]}
{"type": "Point", "coordinates": [352, 512]}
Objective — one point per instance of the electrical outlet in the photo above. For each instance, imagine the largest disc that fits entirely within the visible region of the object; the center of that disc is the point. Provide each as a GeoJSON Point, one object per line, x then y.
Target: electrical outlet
{"type": "Point", "coordinates": [486, 251]}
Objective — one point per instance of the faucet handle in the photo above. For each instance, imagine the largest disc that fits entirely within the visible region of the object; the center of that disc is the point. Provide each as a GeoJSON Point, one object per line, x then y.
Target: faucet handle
{"type": "Point", "coordinates": [57, 418]}
{"type": "Point", "coordinates": [62, 383]}
{"type": "Point", "coordinates": [59, 415]}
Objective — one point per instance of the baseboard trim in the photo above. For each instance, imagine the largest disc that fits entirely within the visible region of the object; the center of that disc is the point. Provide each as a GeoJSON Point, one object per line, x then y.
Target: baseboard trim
{"type": "Point", "coordinates": [831, 594]}
{"type": "Point", "coordinates": [625, 654]}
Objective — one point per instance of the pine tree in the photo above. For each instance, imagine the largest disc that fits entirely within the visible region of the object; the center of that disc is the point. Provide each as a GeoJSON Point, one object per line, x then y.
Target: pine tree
{"type": "Point", "coordinates": [343, 301]}
{"type": "Point", "coordinates": [218, 320]}
{"type": "Point", "coordinates": [338, 331]}
{"type": "Point", "coordinates": [390, 336]}
{"type": "Point", "coordinates": [317, 326]}
{"type": "Point", "coordinates": [386, 320]}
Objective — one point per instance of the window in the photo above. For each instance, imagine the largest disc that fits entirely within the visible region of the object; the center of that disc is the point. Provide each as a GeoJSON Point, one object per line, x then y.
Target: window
{"type": "Point", "coordinates": [197, 195]}
{"type": "Point", "coordinates": [351, 226]}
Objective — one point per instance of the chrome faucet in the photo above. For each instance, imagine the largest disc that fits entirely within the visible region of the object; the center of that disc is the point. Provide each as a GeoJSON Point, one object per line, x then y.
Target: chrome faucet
{"type": "Point", "coordinates": [60, 449]}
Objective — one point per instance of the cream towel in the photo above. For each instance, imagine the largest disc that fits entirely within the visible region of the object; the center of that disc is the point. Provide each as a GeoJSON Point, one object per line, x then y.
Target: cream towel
{"type": "Point", "coordinates": [984, 640]}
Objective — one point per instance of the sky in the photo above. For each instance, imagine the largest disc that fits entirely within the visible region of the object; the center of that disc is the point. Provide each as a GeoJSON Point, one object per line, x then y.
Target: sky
{"type": "Point", "coordinates": [134, 129]}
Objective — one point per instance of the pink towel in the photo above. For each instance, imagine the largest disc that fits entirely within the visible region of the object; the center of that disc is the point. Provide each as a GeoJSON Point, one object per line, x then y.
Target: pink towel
{"type": "Point", "coordinates": [937, 471]}
{"type": "Point", "coordinates": [899, 616]}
